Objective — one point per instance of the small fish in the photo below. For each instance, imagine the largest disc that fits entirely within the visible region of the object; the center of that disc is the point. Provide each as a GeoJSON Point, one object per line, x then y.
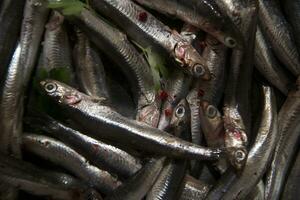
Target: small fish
{"type": "Point", "coordinates": [260, 153]}
{"type": "Point", "coordinates": [115, 160]}
{"type": "Point", "coordinates": [205, 15]}
{"type": "Point", "coordinates": [145, 29]}
{"type": "Point", "coordinates": [289, 134]}
{"type": "Point", "coordinates": [86, 110]}
{"type": "Point", "coordinates": [57, 49]}
{"type": "Point", "coordinates": [40, 182]}
{"type": "Point", "coordinates": [267, 64]}
{"type": "Point", "coordinates": [89, 67]}
{"type": "Point", "coordinates": [11, 13]}
{"type": "Point", "coordinates": [113, 43]}
{"type": "Point", "coordinates": [137, 186]}
{"type": "Point", "coordinates": [60, 154]}
{"type": "Point", "coordinates": [172, 174]}
{"type": "Point", "coordinates": [276, 29]}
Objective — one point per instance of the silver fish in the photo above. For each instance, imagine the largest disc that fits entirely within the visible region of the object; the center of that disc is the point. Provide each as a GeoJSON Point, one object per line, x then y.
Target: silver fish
{"type": "Point", "coordinates": [288, 120]}
{"type": "Point", "coordinates": [146, 30]}
{"type": "Point", "coordinates": [267, 64]}
{"type": "Point", "coordinates": [276, 29]}
{"type": "Point", "coordinates": [60, 154]}
{"type": "Point", "coordinates": [89, 68]}
{"type": "Point", "coordinates": [86, 110]}
{"type": "Point", "coordinates": [115, 160]}
{"type": "Point", "coordinates": [40, 182]}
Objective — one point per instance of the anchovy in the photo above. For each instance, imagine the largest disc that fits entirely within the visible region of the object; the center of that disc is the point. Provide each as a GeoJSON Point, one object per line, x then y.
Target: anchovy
{"type": "Point", "coordinates": [205, 15]}
{"type": "Point", "coordinates": [60, 154]}
{"type": "Point", "coordinates": [276, 28]}
{"type": "Point", "coordinates": [113, 126]}
{"type": "Point", "coordinates": [89, 67]}
{"type": "Point", "coordinates": [115, 160]}
{"type": "Point", "coordinates": [18, 76]}
{"type": "Point", "coordinates": [56, 47]}
{"type": "Point", "coordinates": [116, 46]}
{"type": "Point", "coordinates": [237, 92]}
{"type": "Point", "coordinates": [193, 100]}
{"type": "Point", "coordinates": [291, 8]}
{"type": "Point", "coordinates": [215, 53]}
{"type": "Point", "coordinates": [176, 89]}
{"type": "Point", "coordinates": [137, 186]}
{"type": "Point", "coordinates": [289, 129]}
{"type": "Point", "coordinates": [213, 129]}
{"type": "Point", "coordinates": [169, 180]}
{"type": "Point", "coordinates": [37, 181]}
{"type": "Point", "coordinates": [260, 153]}
{"type": "Point", "coordinates": [267, 64]}
{"type": "Point", "coordinates": [11, 13]}
{"type": "Point", "coordinates": [145, 29]}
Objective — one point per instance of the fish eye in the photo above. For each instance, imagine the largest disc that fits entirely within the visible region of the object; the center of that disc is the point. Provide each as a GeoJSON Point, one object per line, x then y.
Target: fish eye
{"type": "Point", "coordinates": [180, 111]}
{"type": "Point", "coordinates": [198, 70]}
{"type": "Point", "coordinates": [230, 42]}
{"type": "Point", "coordinates": [50, 87]}
{"type": "Point", "coordinates": [211, 111]}
{"type": "Point", "coordinates": [240, 155]}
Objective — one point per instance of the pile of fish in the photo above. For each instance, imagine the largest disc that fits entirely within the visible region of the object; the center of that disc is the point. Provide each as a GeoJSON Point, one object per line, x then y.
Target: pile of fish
{"type": "Point", "coordinates": [149, 99]}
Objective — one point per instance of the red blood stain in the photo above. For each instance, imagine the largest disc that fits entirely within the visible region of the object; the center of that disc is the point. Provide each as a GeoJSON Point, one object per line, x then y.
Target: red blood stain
{"type": "Point", "coordinates": [181, 52]}
{"type": "Point", "coordinates": [168, 112]}
{"type": "Point", "coordinates": [163, 95]}
{"type": "Point", "coordinates": [201, 93]}
{"type": "Point", "coordinates": [142, 16]}
{"type": "Point", "coordinates": [237, 134]}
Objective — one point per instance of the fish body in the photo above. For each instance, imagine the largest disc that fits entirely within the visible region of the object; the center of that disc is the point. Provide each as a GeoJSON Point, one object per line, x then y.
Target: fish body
{"type": "Point", "coordinates": [115, 127]}
{"type": "Point", "coordinates": [276, 29]}
{"type": "Point", "coordinates": [115, 160]}
{"type": "Point", "coordinates": [60, 154]}
{"type": "Point", "coordinates": [205, 15]}
{"type": "Point", "coordinates": [147, 31]}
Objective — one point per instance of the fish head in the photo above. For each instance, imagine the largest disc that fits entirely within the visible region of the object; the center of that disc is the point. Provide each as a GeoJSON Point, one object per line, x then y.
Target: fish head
{"type": "Point", "coordinates": [191, 61]}
{"type": "Point", "coordinates": [237, 157]}
{"type": "Point", "coordinates": [210, 116]}
{"type": "Point", "coordinates": [212, 123]}
{"type": "Point", "coordinates": [60, 92]}
{"type": "Point", "coordinates": [181, 115]}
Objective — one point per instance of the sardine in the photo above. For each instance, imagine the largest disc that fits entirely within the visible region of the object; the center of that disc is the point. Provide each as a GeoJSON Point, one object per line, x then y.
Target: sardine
{"type": "Point", "coordinates": [275, 27]}
{"type": "Point", "coordinates": [145, 29]}
{"type": "Point", "coordinates": [103, 122]}
{"type": "Point", "coordinates": [60, 154]}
